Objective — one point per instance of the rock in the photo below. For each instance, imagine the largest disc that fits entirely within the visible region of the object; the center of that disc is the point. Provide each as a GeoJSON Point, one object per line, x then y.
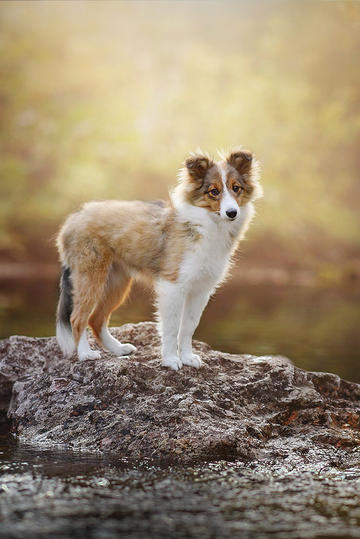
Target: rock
{"type": "Point", "coordinates": [243, 407]}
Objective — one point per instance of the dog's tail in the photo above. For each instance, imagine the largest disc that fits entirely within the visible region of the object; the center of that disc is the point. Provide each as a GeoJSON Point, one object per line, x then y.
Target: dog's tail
{"type": "Point", "coordinates": [64, 334]}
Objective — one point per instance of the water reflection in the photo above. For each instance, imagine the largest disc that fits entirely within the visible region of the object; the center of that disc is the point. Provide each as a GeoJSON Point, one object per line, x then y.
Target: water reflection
{"type": "Point", "coordinates": [316, 327]}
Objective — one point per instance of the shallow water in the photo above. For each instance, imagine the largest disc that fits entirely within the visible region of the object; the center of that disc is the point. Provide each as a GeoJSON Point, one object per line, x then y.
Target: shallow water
{"type": "Point", "coordinates": [318, 328]}
{"type": "Point", "coordinates": [67, 495]}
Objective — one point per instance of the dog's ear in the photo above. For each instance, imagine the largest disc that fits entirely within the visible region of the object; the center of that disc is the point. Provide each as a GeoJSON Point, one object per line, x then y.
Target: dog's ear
{"type": "Point", "coordinates": [197, 165]}
{"type": "Point", "coordinates": [241, 160]}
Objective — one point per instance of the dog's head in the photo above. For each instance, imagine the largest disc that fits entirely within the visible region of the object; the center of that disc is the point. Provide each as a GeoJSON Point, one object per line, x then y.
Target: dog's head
{"type": "Point", "coordinates": [220, 186]}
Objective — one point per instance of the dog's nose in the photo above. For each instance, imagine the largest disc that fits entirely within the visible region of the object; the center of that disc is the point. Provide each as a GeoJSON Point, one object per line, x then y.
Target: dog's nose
{"type": "Point", "coordinates": [231, 214]}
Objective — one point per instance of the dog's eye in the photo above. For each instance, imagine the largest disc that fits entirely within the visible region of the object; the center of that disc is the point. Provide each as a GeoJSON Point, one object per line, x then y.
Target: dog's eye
{"type": "Point", "coordinates": [214, 192]}
{"type": "Point", "coordinates": [236, 188]}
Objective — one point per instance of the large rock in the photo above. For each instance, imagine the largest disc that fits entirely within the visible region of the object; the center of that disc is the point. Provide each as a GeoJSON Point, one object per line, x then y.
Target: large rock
{"type": "Point", "coordinates": [246, 407]}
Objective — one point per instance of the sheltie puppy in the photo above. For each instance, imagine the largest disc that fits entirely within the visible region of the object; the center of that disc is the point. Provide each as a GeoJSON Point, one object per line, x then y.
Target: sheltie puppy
{"type": "Point", "coordinates": [184, 248]}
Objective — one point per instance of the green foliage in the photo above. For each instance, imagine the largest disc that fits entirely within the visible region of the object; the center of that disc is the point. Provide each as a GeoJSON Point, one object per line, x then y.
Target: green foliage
{"type": "Point", "coordinates": [105, 102]}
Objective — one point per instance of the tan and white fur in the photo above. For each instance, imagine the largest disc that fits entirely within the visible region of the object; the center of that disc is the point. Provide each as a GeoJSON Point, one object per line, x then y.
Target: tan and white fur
{"type": "Point", "coordinates": [184, 248]}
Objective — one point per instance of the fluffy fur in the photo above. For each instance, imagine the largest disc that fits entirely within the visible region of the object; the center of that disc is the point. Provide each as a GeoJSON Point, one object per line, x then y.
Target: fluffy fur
{"type": "Point", "coordinates": [183, 248]}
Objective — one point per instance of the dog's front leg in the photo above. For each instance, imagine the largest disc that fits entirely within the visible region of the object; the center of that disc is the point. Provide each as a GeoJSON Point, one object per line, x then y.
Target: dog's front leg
{"type": "Point", "coordinates": [170, 306]}
{"type": "Point", "coordinates": [195, 303]}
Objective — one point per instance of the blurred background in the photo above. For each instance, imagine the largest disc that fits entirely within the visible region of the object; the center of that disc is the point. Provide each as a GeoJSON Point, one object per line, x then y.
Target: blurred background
{"type": "Point", "coordinates": [104, 100]}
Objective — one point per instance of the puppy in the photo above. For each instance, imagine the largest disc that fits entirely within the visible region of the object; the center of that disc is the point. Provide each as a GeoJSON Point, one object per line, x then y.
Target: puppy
{"type": "Point", "coordinates": [183, 248]}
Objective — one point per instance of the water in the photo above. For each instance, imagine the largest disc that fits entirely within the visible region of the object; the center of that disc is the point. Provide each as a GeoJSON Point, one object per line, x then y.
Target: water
{"type": "Point", "coordinates": [66, 495]}
{"type": "Point", "coordinates": [70, 495]}
{"type": "Point", "coordinates": [318, 328]}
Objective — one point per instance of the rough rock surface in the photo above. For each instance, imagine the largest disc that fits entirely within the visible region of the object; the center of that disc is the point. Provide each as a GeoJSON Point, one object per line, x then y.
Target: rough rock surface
{"type": "Point", "coordinates": [244, 407]}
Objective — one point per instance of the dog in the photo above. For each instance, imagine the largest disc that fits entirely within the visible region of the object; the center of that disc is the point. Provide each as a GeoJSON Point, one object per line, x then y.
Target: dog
{"type": "Point", "coordinates": [184, 248]}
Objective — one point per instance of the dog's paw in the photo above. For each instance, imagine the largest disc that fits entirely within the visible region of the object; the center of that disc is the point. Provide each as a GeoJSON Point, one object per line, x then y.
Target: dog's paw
{"type": "Point", "coordinates": [173, 362]}
{"type": "Point", "coordinates": [125, 349]}
{"type": "Point", "coordinates": [119, 349]}
{"type": "Point", "coordinates": [90, 354]}
{"type": "Point", "coordinates": [193, 360]}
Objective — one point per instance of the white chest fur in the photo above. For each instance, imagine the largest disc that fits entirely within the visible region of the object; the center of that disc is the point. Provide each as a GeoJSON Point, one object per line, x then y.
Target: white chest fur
{"type": "Point", "coordinates": [207, 260]}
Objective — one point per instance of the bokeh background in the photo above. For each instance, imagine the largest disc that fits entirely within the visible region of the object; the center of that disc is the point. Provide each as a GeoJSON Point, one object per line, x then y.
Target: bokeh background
{"type": "Point", "coordinates": [105, 99]}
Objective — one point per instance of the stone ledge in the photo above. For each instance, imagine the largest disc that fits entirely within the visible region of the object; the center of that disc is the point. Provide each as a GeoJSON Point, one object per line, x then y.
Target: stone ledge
{"type": "Point", "coordinates": [235, 407]}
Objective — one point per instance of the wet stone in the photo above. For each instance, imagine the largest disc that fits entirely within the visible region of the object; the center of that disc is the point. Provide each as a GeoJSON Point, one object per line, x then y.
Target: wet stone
{"type": "Point", "coordinates": [63, 494]}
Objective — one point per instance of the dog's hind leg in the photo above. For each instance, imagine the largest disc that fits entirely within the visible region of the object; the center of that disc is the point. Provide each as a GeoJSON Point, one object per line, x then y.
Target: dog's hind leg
{"type": "Point", "coordinates": [116, 290]}
{"type": "Point", "coordinates": [88, 287]}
